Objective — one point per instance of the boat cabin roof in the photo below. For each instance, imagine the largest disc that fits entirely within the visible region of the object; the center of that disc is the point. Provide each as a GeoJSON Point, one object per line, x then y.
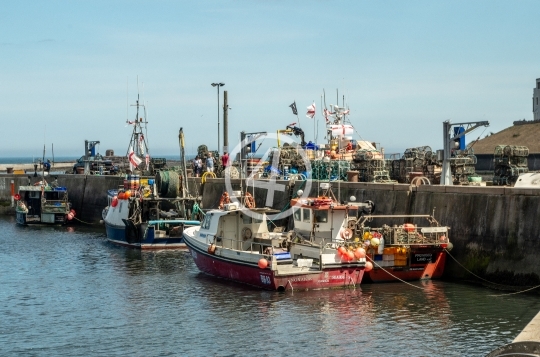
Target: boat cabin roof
{"type": "Point", "coordinates": [39, 188]}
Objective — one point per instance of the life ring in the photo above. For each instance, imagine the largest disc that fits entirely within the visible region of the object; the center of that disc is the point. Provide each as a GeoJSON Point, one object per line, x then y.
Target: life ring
{"type": "Point", "coordinates": [224, 200]}
{"type": "Point", "coordinates": [346, 233]}
{"type": "Point", "coordinates": [249, 201]}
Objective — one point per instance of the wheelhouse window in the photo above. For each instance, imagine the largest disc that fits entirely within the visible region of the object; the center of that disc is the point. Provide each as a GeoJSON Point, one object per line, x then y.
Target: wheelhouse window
{"type": "Point", "coordinates": [206, 222]}
{"type": "Point", "coordinates": [246, 219]}
{"type": "Point", "coordinates": [297, 215]}
{"type": "Point", "coordinates": [306, 212]}
{"type": "Point", "coordinates": [321, 216]}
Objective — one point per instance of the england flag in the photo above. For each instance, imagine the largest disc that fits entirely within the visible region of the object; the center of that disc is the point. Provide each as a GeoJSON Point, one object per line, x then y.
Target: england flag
{"type": "Point", "coordinates": [134, 160]}
{"type": "Point", "coordinates": [311, 111]}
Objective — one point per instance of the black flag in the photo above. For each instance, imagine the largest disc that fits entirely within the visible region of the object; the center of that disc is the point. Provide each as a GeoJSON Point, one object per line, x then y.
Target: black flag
{"type": "Point", "coordinates": [293, 107]}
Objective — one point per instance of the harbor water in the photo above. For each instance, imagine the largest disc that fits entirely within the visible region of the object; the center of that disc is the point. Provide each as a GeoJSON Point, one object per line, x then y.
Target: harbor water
{"type": "Point", "coordinates": [65, 291]}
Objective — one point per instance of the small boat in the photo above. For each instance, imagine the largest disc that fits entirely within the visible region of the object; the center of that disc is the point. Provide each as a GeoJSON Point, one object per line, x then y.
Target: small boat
{"type": "Point", "coordinates": [149, 212]}
{"type": "Point", "coordinates": [394, 250]}
{"type": "Point", "coordinates": [403, 252]}
{"type": "Point", "coordinates": [234, 243]}
{"type": "Point", "coordinates": [137, 217]}
{"type": "Point", "coordinates": [42, 203]}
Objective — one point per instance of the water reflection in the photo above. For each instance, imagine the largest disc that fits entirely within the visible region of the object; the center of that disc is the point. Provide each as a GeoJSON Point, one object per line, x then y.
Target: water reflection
{"type": "Point", "coordinates": [66, 291]}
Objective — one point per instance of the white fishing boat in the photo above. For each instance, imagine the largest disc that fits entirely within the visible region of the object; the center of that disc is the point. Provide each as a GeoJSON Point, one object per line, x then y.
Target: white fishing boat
{"type": "Point", "coordinates": [234, 243]}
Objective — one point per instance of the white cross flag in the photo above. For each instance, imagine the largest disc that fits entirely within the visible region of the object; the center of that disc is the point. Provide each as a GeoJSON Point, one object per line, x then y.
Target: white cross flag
{"type": "Point", "coordinates": [134, 160]}
{"type": "Point", "coordinates": [311, 111]}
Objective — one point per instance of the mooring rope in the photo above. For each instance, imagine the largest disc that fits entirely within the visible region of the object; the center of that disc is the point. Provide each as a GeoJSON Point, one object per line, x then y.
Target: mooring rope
{"type": "Point", "coordinates": [83, 221]}
{"type": "Point", "coordinates": [392, 275]}
{"type": "Point", "coordinates": [470, 272]}
{"type": "Point", "coordinates": [517, 292]}
{"type": "Point", "coordinates": [487, 281]}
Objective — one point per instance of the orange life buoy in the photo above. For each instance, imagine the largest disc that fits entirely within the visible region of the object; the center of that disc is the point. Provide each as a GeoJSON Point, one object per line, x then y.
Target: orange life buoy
{"type": "Point", "coordinates": [249, 201]}
{"type": "Point", "coordinates": [346, 233]}
{"type": "Point", "coordinates": [224, 200]}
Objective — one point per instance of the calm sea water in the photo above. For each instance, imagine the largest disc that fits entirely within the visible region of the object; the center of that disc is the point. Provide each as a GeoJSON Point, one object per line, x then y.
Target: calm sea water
{"type": "Point", "coordinates": [65, 291]}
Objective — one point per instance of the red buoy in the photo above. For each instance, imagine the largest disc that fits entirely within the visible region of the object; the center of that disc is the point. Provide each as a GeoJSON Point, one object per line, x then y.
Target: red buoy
{"type": "Point", "coordinates": [70, 216]}
{"type": "Point", "coordinates": [114, 202]}
{"type": "Point", "coordinates": [17, 197]}
{"type": "Point", "coordinates": [369, 266]}
{"type": "Point", "coordinates": [263, 263]}
{"type": "Point", "coordinates": [409, 227]}
{"type": "Point", "coordinates": [360, 253]}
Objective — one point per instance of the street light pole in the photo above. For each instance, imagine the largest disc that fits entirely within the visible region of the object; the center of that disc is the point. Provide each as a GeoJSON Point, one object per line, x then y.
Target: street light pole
{"type": "Point", "coordinates": [218, 85]}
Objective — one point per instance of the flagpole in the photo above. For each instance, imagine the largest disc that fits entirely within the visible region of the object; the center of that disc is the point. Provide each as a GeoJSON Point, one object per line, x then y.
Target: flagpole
{"type": "Point", "coordinates": [297, 117]}
{"type": "Point", "coordinates": [314, 126]}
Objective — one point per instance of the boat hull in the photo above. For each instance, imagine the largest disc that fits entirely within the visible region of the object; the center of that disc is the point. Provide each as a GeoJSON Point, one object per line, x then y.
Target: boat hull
{"type": "Point", "coordinates": [249, 273]}
{"type": "Point", "coordinates": [117, 235]}
{"type": "Point", "coordinates": [431, 270]}
{"type": "Point", "coordinates": [24, 220]}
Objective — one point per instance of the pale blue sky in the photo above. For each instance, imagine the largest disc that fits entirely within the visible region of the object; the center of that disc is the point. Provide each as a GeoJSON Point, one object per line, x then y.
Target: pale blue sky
{"type": "Point", "coordinates": [404, 67]}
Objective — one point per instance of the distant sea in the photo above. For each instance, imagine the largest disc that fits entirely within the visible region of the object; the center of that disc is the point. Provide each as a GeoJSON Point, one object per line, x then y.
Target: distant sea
{"type": "Point", "coordinates": [30, 159]}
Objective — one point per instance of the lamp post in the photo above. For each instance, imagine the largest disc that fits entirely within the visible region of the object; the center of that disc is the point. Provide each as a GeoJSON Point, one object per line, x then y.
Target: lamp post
{"type": "Point", "coordinates": [218, 85]}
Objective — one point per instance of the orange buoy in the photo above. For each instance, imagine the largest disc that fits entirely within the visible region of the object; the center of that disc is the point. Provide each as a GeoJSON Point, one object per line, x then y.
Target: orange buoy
{"type": "Point", "coordinates": [350, 255]}
{"type": "Point", "coordinates": [263, 263]}
{"type": "Point", "coordinates": [369, 266]}
{"type": "Point", "coordinates": [127, 194]}
{"type": "Point", "coordinates": [342, 251]}
{"type": "Point", "coordinates": [70, 216]}
{"type": "Point", "coordinates": [409, 227]}
{"type": "Point", "coordinates": [346, 233]}
{"type": "Point", "coordinates": [360, 253]}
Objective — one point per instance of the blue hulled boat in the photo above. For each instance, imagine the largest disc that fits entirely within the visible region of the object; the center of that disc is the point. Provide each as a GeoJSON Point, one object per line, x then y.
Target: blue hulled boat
{"type": "Point", "coordinates": [138, 218]}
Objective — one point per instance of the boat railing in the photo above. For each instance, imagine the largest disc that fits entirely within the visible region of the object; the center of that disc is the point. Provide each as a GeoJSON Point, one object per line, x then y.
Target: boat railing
{"type": "Point", "coordinates": [235, 244]}
{"type": "Point", "coordinates": [409, 235]}
{"type": "Point", "coordinates": [54, 203]}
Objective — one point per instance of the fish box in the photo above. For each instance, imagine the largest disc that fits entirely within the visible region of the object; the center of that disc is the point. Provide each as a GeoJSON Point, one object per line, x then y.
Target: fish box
{"type": "Point", "coordinates": [304, 263]}
{"type": "Point", "coordinates": [388, 257]}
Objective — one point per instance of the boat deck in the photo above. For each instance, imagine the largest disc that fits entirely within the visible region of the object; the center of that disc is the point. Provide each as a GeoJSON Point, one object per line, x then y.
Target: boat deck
{"type": "Point", "coordinates": [290, 269]}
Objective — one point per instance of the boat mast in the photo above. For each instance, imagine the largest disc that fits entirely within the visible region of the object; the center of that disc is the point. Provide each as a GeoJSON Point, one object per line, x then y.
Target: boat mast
{"type": "Point", "coordinates": [138, 141]}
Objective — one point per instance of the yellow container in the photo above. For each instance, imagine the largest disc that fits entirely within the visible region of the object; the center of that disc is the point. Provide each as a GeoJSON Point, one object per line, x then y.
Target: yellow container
{"type": "Point", "coordinates": [143, 182]}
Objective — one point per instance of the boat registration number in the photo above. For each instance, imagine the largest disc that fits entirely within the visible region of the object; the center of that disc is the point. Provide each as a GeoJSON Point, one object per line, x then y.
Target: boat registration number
{"type": "Point", "coordinates": [265, 279]}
